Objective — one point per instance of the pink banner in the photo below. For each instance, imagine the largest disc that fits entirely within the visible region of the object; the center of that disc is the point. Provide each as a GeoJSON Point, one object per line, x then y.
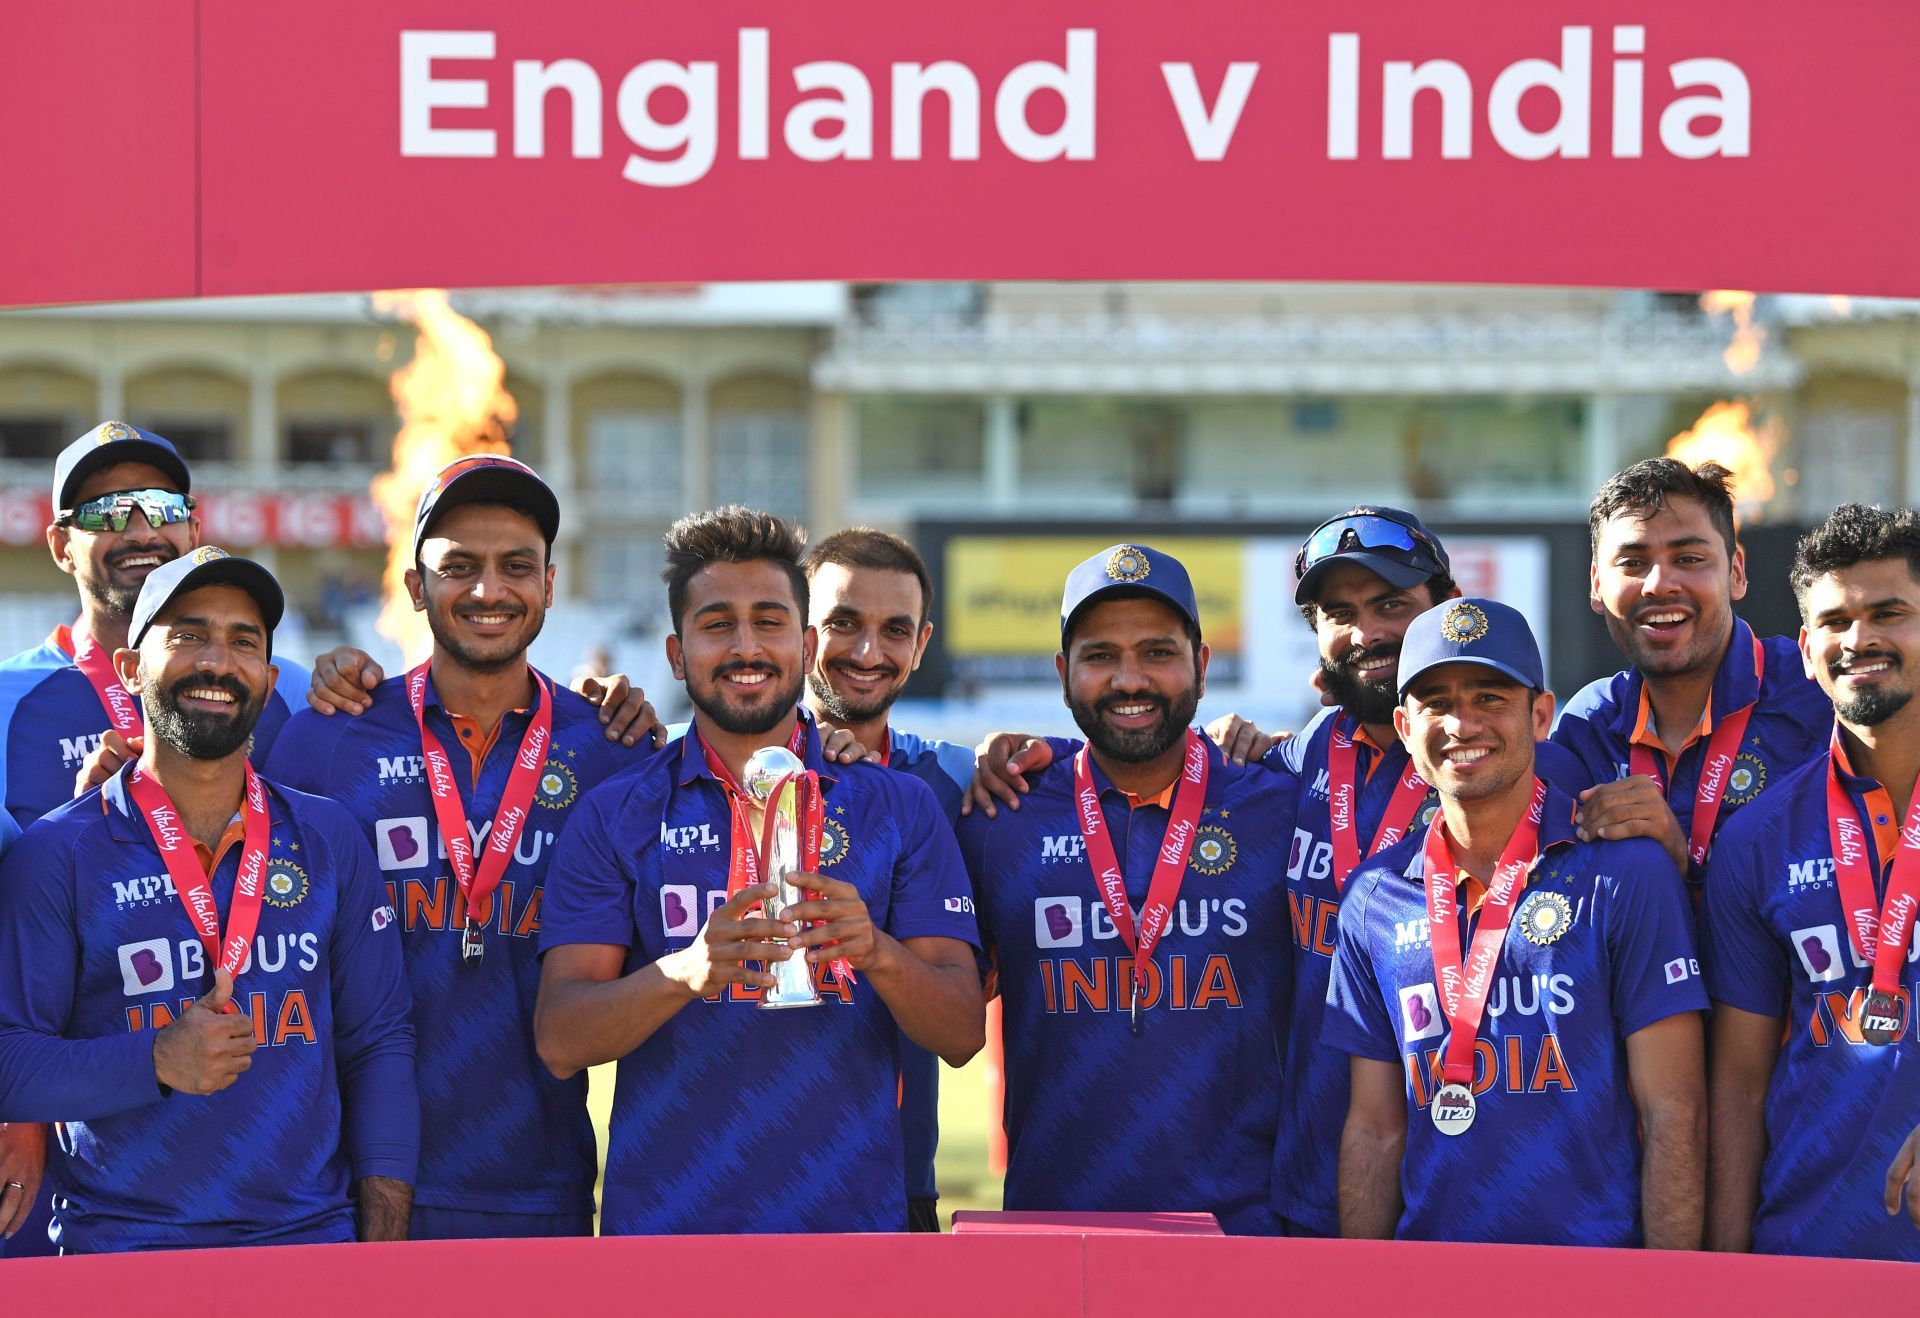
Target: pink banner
{"type": "Point", "coordinates": [232, 520]}
{"type": "Point", "coordinates": [365, 143]}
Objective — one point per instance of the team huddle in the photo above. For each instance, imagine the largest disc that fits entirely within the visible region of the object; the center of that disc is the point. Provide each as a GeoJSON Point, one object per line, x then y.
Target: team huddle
{"type": "Point", "coordinates": [1450, 963]}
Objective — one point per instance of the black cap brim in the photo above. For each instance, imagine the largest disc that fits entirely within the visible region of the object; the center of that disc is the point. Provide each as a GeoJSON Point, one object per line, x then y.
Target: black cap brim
{"type": "Point", "coordinates": [1399, 575]}
{"type": "Point", "coordinates": [494, 484]}
{"type": "Point", "coordinates": [244, 573]}
{"type": "Point", "coordinates": [115, 453]}
{"type": "Point", "coordinates": [1506, 669]}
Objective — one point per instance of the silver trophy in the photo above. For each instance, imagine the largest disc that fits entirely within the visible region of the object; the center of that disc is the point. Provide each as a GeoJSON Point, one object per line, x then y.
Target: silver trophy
{"type": "Point", "coordinates": [792, 978]}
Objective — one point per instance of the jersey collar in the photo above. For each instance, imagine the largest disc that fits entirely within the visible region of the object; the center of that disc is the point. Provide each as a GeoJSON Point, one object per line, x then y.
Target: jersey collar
{"type": "Point", "coordinates": [124, 823]}
{"type": "Point", "coordinates": [1215, 761]}
{"type": "Point", "coordinates": [693, 756]}
{"type": "Point", "coordinates": [1733, 688]}
{"type": "Point", "coordinates": [1557, 829]}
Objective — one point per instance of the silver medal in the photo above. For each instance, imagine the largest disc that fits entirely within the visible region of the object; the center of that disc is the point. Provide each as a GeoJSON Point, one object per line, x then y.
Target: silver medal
{"type": "Point", "coordinates": [1453, 1109]}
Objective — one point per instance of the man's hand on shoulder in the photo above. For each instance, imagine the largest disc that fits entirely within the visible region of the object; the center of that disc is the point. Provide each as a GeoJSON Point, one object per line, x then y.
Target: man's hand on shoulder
{"type": "Point", "coordinates": [625, 711]}
{"type": "Point", "coordinates": [342, 677]}
{"type": "Point", "coordinates": [1240, 741]}
{"type": "Point", "coordinates": [1001, 764]}
{"type": "Point", "coordinates": [113, 751]}
{"type": "Point", "coordinates": [1632, 807]}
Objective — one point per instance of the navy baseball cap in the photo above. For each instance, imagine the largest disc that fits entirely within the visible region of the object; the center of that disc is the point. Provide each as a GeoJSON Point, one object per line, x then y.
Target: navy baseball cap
{"type": "Point", "coordinates": [1389, 542]}
{"type": "Point", "coordinates": [1135, 569]}
{"type": "Point", "coordinates": [109, 443]}
{"type": "Point", "coordinates": [487, 478]}
{"type": "Point", "coordinates": [206, 566]}
{"type": "Point", "coordinates": [1471, 631]}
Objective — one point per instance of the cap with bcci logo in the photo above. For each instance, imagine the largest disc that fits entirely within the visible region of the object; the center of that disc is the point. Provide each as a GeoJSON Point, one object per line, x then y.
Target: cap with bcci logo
{"type": "Point", "coordinates": [107, 444]}
{"type": "Point", "coordinates": [1471, 631]}
{"type": "Point", "coordinates": [206, 566]}
{"type": "Point", "coordinates": [487, 478]}
{"type": "Point", "coordinates": [1134, 570]}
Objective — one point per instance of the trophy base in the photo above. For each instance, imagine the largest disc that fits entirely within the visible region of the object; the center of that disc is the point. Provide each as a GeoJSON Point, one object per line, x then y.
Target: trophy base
{"type": "Point", "coordinates": [769, 1004]}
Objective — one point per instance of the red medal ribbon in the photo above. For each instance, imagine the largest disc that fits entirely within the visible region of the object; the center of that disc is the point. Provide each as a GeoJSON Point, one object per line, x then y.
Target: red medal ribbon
{"type": "Point", "coordinates": [743, 863]}
{"type": "Point", "coordinates": [195, 886]}
{"type": "Point", "coordinates": [1881, 933]}
{"type": "Point", "coordinates": [1722, 746]}
{"type": "Point", "coordinates": [1343, 805]}
{"type": "Point", "coordinates": [478, 885]}
{"type": "Point", "coordinates": [123, 711]}
{"type": "Point", "coordinates": [1190, 794]}
{"type": "Point", "coordinates": [1463, 987]}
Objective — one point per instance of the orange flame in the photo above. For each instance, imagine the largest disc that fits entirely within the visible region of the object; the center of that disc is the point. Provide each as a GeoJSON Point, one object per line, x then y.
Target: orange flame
{"type": "Point", "coordinates": [1840, 304]}
{"type": "Point", "coordinates": [1725, 434]}
{"type": "Point", "coordinates": [452, 402]}
{"type": "Point", "coordinates": [1743, 349]}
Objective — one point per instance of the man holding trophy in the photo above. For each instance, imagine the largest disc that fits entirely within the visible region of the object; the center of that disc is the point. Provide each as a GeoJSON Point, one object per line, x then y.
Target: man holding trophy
{"type": "Point", "coordinates": [665, 935]}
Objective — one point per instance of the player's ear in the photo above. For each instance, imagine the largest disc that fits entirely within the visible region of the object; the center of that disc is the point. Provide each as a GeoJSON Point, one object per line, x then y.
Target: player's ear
{"type": "Point", "coordinates": [676, 658]}
{"type": "Point", "coordinates": [416, 590]}
{"type": "Point", "coordinates": [126, 666]}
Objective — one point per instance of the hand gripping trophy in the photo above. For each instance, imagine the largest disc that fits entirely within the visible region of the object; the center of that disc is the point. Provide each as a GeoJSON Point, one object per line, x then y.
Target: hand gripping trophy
{"type": "Point", "coordinates": [789, 844]}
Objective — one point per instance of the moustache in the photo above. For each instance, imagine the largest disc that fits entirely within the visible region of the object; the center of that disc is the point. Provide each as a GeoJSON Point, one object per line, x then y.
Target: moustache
{"type": "Point", "coordinates": [1106, 703]}
{"type": "Point", "coordinates": [1352, 659]}
{"type": "Point", "coordinates": [230, 685]}
{"type": "Point", "coordinates": [880, 670]}
{"type": "Point", "coordinates": [742, 666]}
{"type": "Point", "coordinates": [1848, 658]}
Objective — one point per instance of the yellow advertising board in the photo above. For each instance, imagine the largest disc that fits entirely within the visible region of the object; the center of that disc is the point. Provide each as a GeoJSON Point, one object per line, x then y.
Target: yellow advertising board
{"type": "Point", "coordinates": [1003, 592]}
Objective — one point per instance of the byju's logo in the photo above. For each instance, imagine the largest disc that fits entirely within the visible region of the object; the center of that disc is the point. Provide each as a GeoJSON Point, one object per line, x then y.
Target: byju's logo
{"type": "Point", "coordinates": [1058, 922]}
{"type": "Point", "coordinates": [1420, 1016]}
{"type": "Point", "coordinates": [402, 843]}
{"type": "Point", "coordinates": [1819, 949]}
{"type": "Point", "coordinates": [146, 967]}
{"type": "Point", "coordinates": [680, 910]}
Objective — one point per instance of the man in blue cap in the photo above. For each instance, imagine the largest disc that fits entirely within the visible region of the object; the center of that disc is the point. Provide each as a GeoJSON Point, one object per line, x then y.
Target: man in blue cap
{"type": "Point", "coordinates": [1142, 1050]}
{"type": "Point", "coordinates": [1522, 1007]}
{"type": "Point", "coordinates": [200, 976]}
{"type": "Point", "coordinates": [121, 509]}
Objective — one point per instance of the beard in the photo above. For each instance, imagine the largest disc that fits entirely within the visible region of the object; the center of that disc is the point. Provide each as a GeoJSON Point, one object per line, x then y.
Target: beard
{"type": "Point", "coordinates": [1136, 745]}
{"type": "Point", "coordinates": [201, 736]}
{"type": "Point", "coordinates": [753, 719]}
{"type": "Point", "coordinates": [1368, 702]}
{"type": "Point", "coordinates": [507, 652]}
{"type": "Point", "coordinates": [844, 710]}
{"type": "Point", "coordinates": [1873, 706]}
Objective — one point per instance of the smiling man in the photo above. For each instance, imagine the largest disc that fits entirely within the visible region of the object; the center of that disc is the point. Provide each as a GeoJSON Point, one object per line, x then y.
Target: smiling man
{"type": "Point", "coordinates": [199, 975]}
{"type": "Point", "coordinates": [654, 955]}
{"type": "Point", "coordinates": [1809, 924]}
{"type": "Point", "coordinates": [121, 509]}
{"type": "Point", "coordinates": [1522, 1007]}
{"type": "Point", "coordinates": [477, 746]}
{"type": "Point", "coordinates": [871, 602]}
{"type": "Point", "coordinates": [1142, 1050]}
{"type": "Point", "coordinates": [1709, 714]}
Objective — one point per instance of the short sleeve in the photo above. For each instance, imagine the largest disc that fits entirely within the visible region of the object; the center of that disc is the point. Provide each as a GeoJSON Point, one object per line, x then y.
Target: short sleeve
{"type": "Point", "coordinates": [590, 883]}
{"type": "Point", "coordinates": [1746, 963]}
{"type": "Point", "coordinates": [1356, 1019]}
{"type": "Point", "coordinates": [1653, 963]}
{"type": "Point", "coordinates": [931, 895]}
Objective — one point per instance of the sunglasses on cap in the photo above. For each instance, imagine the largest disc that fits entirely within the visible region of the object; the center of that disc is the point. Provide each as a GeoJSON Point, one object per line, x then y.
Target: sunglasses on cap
{"type": "Point", "coordinates": [476, 462]}
{"type": "Point", "coordinates": [1343, 535]}
{"type": "Point", "coordinates": [112, 512]}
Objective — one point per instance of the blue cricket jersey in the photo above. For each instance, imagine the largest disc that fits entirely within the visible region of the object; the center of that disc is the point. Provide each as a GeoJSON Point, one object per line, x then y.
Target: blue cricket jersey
{"type": "Point", "coordinates": [1182, 1116]}
{"type": "Point", "coordinates": [97, 954]}
{"type": "Point", "coordinates": [1789, 725]}
{"type": "Point", "coordinates": [1838, 1108]}
{"type": "Point", "coordinates": [1601, 946]}
{"type": "Point", "coordinates": [51, 719]}
{"type": "Point", "coordinates": [498, 1132]}
{"type": "Point", "coordinates": [946, 769]}
{"type": "Point", "coordinates": [698, 1106]}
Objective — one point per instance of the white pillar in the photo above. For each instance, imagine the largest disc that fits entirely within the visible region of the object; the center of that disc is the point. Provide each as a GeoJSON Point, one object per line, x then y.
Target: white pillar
{"type": "Point", "coordinates": [110, 380]}
{"type": "Point", "coordinates": [556, 464]}
{"type": "Point", "coordinates": [1602, 440]}
{"type": "Point", "coordinates": [1911, 464]}
{"type": "Point", "coordinates": [260, 453]}
{"type": "Point", "coordinates": [696, 444]}
{"type": "Point", "coordinates": [1002, 453]}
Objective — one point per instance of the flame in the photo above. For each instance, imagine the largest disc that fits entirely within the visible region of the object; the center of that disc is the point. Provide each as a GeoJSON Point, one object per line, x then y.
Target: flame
{"type": "Point", "coordinates": [1840, 304]}
{"type": "Point", "coordinates": [1743, 349]}
{"type": "Point", "coordinates": [452, 402]}
{"type": "Point", "coordinates": [1725, 434]}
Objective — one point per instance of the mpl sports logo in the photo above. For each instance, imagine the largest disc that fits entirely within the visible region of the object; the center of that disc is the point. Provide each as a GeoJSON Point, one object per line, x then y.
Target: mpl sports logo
{"type": "Point", "coordinates": [397, 769]}
{"type": "Point", "coordinates": [142, 891]}
{"type": "Point", "coordinates": [74, 750]}
{"type": "Point", "coordinates": [1062, 847]}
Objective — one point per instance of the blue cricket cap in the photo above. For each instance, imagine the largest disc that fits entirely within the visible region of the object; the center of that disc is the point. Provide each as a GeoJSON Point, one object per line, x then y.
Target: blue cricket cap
{"type": "Point", "coordinates": [487, 478]}
{"type": "Point", "coordinates": [1471, 631]}
{"type": "Point", "coordinates": [206, 566]}
{"type": "Point", "coordinates": [1391, 543]}
{"type": "Point", "coordinates": [1134, 569]}
{"type": "Point", "coordinates": [107, 444]}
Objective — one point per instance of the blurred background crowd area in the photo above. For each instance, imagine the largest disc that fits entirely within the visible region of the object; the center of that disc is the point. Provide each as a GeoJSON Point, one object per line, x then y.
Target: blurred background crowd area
{"type": "Point", "coordinates": [1007, 429]}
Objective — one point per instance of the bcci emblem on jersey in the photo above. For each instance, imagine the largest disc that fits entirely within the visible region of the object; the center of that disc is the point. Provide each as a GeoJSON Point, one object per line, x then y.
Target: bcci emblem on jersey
{"type": "Point", "coordinates": [1214, 850]}
{"type": "Point", "coordinates": [833, 842]}
{"type": "Point", "coordinates": [557, 786]}
{"type": "Point", "coordinates": [1544, 916]}
{"type": "Point", "coordinates": [1748, 779]}
{"type": "Point", "coordinates": [286, 884]}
